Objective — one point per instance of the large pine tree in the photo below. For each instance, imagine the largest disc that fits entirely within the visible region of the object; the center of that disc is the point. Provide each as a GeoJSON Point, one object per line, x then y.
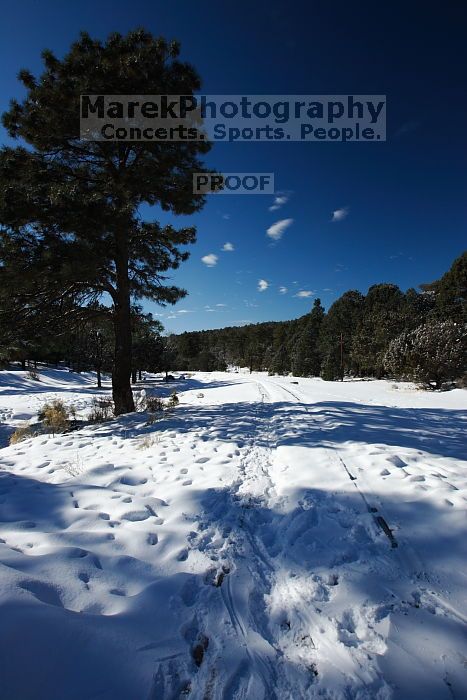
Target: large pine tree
{"type": "Point", "coordinates": [70, 219]}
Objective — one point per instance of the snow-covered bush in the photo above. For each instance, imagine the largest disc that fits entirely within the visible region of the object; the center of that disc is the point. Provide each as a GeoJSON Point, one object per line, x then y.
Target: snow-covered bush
{"type": "Point", "coordinates": [154, 404]}
{"type": "Point", "coordinates": [173, 400]}
{"type": "Point", "coordinates": [432, 354]}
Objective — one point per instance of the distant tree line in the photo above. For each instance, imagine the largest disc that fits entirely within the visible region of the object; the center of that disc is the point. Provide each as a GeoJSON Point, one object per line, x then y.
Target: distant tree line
{"type": "Point", "coordinates": [81, 337]}
{"type": "Point", "coordinates": [386, 333]}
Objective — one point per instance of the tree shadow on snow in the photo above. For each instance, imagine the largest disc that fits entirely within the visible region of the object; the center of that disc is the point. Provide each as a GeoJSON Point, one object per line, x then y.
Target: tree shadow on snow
{"type": "Point", "coordinates": [436, 430]}
{"type": "Point", "coordinates": [326, 544]}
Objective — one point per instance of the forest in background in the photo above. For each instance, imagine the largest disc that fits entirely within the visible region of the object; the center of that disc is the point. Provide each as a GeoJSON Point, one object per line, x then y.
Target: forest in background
{"type": "Point", "coordinates": [386, 333]}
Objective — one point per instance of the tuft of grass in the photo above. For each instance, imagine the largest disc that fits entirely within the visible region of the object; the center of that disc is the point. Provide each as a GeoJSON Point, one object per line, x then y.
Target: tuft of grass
{"type": "Point", "coordinates": [75, 466]}
{"type": "Point", "coordinates": [23, 432]}
{"type": "Point", "coordinates": [147, 442]}
{"type": "Point", "coordinates": [102, 410]}
{"type": "Point", "coordinates": [54, 416]}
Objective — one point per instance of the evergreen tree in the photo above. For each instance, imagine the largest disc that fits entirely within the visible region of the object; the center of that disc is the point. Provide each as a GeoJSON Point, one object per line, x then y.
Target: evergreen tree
{"type": "Point", "coordinates": [337, 331]}
{"type": "Point", "coordinates": [381, 320]}
{"type": "Point", "coordinates": [280, 351]}
{"type": "Point", "coordinates": [280, 361]}
{"type": "Point", "coordinates": [306, 355]}
{"type": "Point", "coordinates": [69, 209]}
{"type": "Point", "coordinates": [433, 353]}
{"type": "Point", "coordinates": [451, 291]}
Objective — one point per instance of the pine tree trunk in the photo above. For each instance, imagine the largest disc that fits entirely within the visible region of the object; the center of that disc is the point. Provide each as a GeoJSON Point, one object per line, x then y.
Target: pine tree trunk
{"type": "Point", "coordinates": [99, 378]}
{"type": "Point", "coordinates": [140, 375]}
{"type": "Point", "coordinates": [121, 387]}
{"type": "Point", "coordinates": [133, 376]}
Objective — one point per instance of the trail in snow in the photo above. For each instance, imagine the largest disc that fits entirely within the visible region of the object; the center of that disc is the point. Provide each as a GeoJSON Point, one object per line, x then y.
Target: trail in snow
{"type": "Point", "coordinates": [233, 550]}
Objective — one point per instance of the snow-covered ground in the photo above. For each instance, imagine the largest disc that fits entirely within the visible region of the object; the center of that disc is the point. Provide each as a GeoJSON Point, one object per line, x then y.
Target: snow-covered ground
{"type": "Point", "coordinates": [266, 539]}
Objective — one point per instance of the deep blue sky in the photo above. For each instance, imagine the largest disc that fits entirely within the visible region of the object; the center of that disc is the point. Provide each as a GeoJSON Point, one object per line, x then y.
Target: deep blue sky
{"type": "Point", "coordinates": [406, 198]}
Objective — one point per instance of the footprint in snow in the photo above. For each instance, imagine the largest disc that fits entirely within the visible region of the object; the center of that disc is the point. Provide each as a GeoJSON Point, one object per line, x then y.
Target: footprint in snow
{"type": "Point", "coordinates": [397, 461]}
{"type": "Point", "coordinates": [42, 591]}
{"type": "Point", "coordinates": [26, 525]}
{"type": "Point", "coordinates": [190, 591]}
{"type": "Point", "coordinates": [130, 480]}
{"type": "Point", "coordinates": [202, 460]}
{"type": "Point", "coordinates": [188, 482]}
{"type": "Point", "coordinates": [135, 516]}
{"type": "Point", "coordinates": [118, 591]}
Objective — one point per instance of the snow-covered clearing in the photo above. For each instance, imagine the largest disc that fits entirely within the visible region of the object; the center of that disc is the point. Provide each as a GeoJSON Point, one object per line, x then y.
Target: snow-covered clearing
{"type": "Point", "coordinates": [266, 539]}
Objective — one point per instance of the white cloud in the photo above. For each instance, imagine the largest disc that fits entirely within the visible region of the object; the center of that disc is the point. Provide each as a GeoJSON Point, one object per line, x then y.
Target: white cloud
{"type": "Point", "coordinates": [340, 214]}
{"type": "Point", "coordinates": [276, 230]}
{"type": "Point", "coordinates": [262, 285]}
{"type": "Point", "coordinates": [228, 247]}
{"type": "Point", "coordinates": [282, 290]}
{"type": "Point", "coordinates": [222, 305]}
{"type": "Point", "coordinates": [304, 294]}
{"type": "Point", "coordinates": [226, 216]}
{"type": "Point", "coordinates": [279, 201]}
{"type": "Point", "coordinates": [185, 311]}
{"type": "Point", "coordinates": [210, 260]}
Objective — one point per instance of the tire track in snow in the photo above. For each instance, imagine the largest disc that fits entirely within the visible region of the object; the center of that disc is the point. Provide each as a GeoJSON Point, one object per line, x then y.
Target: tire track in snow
{"type": "Point", "coordinates": [379, 519]}
{"type": "Point", "coordinates": [406, 560]}
{"type": "Point", "coordinates": [301, 605]}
